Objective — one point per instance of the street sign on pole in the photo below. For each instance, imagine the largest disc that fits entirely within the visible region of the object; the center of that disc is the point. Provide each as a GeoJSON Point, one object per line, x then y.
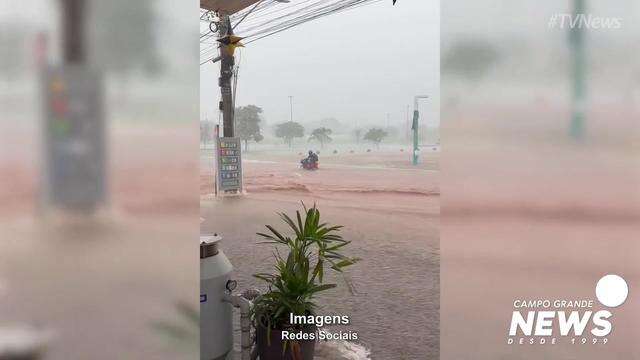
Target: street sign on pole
{"type": "Point", "coordinates": [229, 164]}
{"type": "Point", "coordinates": [74, 177]}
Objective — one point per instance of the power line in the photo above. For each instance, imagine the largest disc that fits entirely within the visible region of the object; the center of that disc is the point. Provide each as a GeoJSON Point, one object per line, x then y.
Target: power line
{"type": "Point", "coordinates": [268, 17]}
{"type": "Point", "coordinates": [247, 14]}
{"type": "Point", "coordinates": [279, 29]}
{"type": "Point", "coordinates": [304, 14]}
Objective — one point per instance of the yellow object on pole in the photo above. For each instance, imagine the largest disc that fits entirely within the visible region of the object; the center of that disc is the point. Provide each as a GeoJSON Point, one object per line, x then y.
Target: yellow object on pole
{"type": "Point", "coordinates": [230, 43]}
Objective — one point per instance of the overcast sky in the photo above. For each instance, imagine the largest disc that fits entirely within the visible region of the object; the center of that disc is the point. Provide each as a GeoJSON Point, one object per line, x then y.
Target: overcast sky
{"type": "Point", "coordinates": [356, 66]}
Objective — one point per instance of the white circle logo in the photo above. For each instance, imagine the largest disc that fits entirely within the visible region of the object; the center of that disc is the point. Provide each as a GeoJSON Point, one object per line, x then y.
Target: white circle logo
{"type": "Point", "coordinates": [612, 290]}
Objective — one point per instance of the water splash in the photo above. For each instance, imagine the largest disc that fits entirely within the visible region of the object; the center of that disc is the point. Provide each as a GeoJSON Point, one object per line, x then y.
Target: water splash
{"type": "Point", "coordinates": [341, 350]}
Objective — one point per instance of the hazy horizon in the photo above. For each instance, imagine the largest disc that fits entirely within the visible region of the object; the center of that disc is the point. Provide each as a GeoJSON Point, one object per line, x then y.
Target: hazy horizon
{"type": "Point", "coordinates": [351, 66]}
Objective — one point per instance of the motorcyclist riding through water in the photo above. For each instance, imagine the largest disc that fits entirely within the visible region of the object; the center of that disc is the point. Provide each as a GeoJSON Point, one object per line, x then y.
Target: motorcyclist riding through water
{"type": "Point", "coordinates": [311, 161]}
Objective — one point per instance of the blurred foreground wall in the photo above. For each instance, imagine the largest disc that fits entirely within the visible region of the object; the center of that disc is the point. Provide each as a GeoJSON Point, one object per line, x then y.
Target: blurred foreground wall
{"type": "Point", "coordinates": [103, 281]}
{"type": "Point", "coordinates": [531, 210]}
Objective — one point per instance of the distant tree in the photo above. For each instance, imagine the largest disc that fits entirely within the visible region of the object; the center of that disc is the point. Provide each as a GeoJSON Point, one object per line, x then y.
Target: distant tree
{"type": "Point", "coordinates": [357, 133]}
{"type": "Point", "coordinates": [329, 122]}
{"type": "Point", "coordinates": [470, 58]}
{"type": "Point", "coordinates": [289, 130]}
{"type": "Point", "coordinates": [375, 135]}
{"type": "Point", "coordinates": [248, 124]}
{"type": "Point", "coordinates": [321, 135]}
{"type": "Point", "coordinates": [392, 131]}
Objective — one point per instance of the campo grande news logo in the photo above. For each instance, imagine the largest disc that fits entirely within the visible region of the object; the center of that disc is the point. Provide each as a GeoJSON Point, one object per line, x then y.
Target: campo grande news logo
{"type": "Point", "coordinates": [573, 321]}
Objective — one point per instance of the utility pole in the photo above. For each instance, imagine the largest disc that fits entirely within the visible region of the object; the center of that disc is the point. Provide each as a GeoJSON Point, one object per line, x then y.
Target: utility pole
{"type": "Point", "coordinates": [578, 62]}
{"type": "Point", "coordinates": [226, 73]}
{"type": "Point", "coordinates": [74, 152]}
{"type": "Point", "coordinates": [416, 129]}
{"type": "Point", "coordinates": [228, 147]}
{"type": "Point", "coordinates": [73, 20]}
{"type": "Point", "coordinates": [291, 108]}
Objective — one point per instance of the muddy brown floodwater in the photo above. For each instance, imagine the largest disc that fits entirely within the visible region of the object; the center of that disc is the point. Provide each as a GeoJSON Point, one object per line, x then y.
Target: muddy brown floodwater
{"type": "Point", "coordinates": [390, 212]}
{"type": "Point", "coordinates": [100, 283]}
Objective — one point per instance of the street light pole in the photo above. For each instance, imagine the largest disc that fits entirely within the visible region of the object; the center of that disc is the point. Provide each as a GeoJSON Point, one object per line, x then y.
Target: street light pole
{"type": "Point", "coordinates": [579, 68]}
{"type": "Point", "coordinates": [416, 128]}
{"type": "Point", "coordinates": [291, 108]}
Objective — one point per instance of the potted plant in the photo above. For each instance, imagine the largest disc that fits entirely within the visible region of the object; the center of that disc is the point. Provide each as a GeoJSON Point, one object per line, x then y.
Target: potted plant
{"type": "Point", "coordinates": [312, 249]}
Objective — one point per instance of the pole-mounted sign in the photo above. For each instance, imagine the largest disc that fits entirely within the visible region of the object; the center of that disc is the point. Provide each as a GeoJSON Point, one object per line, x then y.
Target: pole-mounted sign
{"type": "Point", "coordinates": [74, 175]}
{"type": "Point", "coordinates": [229, 165]}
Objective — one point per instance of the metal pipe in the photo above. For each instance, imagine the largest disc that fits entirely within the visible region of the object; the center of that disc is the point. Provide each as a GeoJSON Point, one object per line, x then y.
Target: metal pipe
{"type": "Point", "coordinates": [74, 42]}
{"type": "Point", "coordinates": [244, 305]}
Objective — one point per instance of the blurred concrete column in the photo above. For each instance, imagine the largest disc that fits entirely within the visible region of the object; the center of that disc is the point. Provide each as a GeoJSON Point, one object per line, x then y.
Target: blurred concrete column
{"type": "Point", "coordinates": [74, 170]}
{"type": "Point", "coordinates": [73, 24]}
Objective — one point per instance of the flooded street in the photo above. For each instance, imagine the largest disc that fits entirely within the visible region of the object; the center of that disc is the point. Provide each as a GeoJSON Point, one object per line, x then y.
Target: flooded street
{"type": "Point", "coordinates": [390, 212]}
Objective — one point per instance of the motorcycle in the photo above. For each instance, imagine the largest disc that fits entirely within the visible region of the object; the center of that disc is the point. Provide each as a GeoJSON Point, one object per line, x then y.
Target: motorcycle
{"type": "Point", "coordinates": [309, 165]}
